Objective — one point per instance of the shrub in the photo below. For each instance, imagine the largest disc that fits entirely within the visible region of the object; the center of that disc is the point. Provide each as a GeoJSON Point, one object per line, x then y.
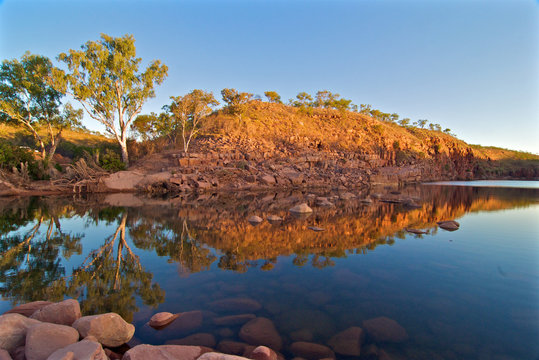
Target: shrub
{"type": "Point", "coordinates": [111, 161]}
{"type": "Point", "coordinates": [14, 157]}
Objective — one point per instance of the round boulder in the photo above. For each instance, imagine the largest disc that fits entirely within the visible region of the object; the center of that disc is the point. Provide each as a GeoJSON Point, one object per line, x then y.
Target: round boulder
{"type": "Point", "coordinates": [109, 329]}
{"type": "Point", "coordinates": [261, 331]}
{"type": "Point", "coordinates": [44, 339]}
{"type": "Point", "coordinates": [348, 342]}
{"type": "Point", "coordinates": [162, 319]}
{"type": "Point", "coordinates": [383, 329]}
{"type": "Point", "coordinates": [13, 328]}
{"type": "Point", "coordinates": [301, 209]}
{"type": "Point", "coordinates": [311, 351]}
{"type": "Point", "coordinates": [85, 349]}
{"type": "Point", "coordinates": [62, 313]}
{"type": "Point", "coordinates": [165, 352]}
{"type": "Point", "coordinates": [449, 225]}
{"type": "Point", "coordinates": [29, 308]}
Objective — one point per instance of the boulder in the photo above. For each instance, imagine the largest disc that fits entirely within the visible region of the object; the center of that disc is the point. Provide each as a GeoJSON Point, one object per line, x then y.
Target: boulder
{"type": "Point", "coordinates": [18, 353]}
{"type": "Point", "coordinates": [219, 356]}
{"type": "Point", "coordinates": [261, 331]}
{"type": "Point", "coordinates": [315, 228]}
{"type": "Point", "coordinates": [415, 231]}
{"type": "Point", "coordinates": [186, 322]}
{"type": "Point", "coordinates": [449, 225]}
{"type": "Point", "coordinates": [255, 220]}
{"type": "Point", "coordinates": [232, 347]}
{"type": "Point", "coordinates": [13, 328]}
{"type": "Point", "coordinates": [325, 203]}
{"type": "Point", "coordinates": [109, 329]}
{"type": "Point", "coordinates": [348, 342]}
{"type": "Point", "coordinates": [301, 209]}
{"type": "Point", "coordinates": [383, 329]}
{"type": "Point", "coordinates": [274, 219]}
{"type": "Point", "coordinates": [262, 353]}
{"type": "Point", "coordinates": [236, 305]}
{"type": "Point", "coordinates": [165, 352]}
{"type": "Point", "coordinates": [267, 179]}
{"type": "Point", "coordinates": [62, 313]}
{"type": "Point", "coordinates": [82, 350]}
{"type": "Point", "coordinates": [311, 351]}
{"type": "Point", "coordinates": [200, 339]}
{"type": "Point", "coordinates": [28, 308]}
{"type": "Point", "coordinates": [4, 355]}
{"type": "Point", "coordinates": [45, 338]}
{"type": "Point", "coordinates": [233, 319]}
{"type": "Point", "coordinates": [346, 196]}
{"type": "Point", "coordinates": [162, 319]}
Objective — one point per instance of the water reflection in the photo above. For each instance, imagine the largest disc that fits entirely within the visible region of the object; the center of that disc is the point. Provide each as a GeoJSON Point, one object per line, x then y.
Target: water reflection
{"type": "Point", "coordinates": [105, 251]}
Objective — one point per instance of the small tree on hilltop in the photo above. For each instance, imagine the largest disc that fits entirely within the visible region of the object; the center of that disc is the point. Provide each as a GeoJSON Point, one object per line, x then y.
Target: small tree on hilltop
{"type": "Point", "coordinates": [28, 97]}
{"type": "Point", "coordinates": [404, 122]}
{"type": "Point", "coordinates": [236, 101]}
{"type": "Point", "coordinates": [303, 100]}
{"type": "Point", "coordinates": [273, 97]}
{"type": "Point", "coordinates": [422, 123]}
{"type": "Point", "coordinates": [104, 77]}
{"type": "Point", "coordinates": [188, 110]}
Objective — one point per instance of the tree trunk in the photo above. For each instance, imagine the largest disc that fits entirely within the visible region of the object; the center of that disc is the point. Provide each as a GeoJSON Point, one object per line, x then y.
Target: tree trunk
{"type": "Point", "coordinates": [125, 155]}
{"type": "Point", "coordinates": [54, 144]}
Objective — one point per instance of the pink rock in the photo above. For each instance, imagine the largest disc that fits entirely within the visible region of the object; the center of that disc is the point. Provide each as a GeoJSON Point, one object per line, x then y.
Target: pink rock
{"type": "Point", "coordinates": [348, 342]}
{"type": "Point", "coordinates": [262, 353]}
{"type": "Point", "coordinates": [186, 322]}
{"type": "Point", "coordinates": [311, 351]}
{"type": "Point", "coordinates": [45, 338]}
{"type": "Point", "coordinates": [85, 349]}
{"type": "Point", "coordinates": [200, 339]}
{"type": "Point", "coordinates": [4, 355]}
{"type": "Point", "coordinates": [218, 356]}
{"type": "Point", "coordinates": [162, 319]}
{"type": "Point", "coordinates": [383, 329]}
{"type": "Point", "coordinates": [109, 329]}
{"type": "Point", "coordinates": [449, 225]}
{"type": "Point", "coordinates": [236, 305]}
{"type": "Point", "coordinates": [28, 308]}
{"type": "Point", "coordinates": [165, 352]}
{"type": "Point", "coordinates": [63, 313]}
{"type": "Point", "coordinates": [232, 347]}
{"type": "Point", "coordinates": [13, 328]}
{"type": "Point", "coordinates": [261, 331]}
{"type": "Point", "coordinates": [233, 319]}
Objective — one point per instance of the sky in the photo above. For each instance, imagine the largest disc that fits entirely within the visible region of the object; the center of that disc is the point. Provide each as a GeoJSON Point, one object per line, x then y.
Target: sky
{"type": "Point", "coordinates": [471, 66]}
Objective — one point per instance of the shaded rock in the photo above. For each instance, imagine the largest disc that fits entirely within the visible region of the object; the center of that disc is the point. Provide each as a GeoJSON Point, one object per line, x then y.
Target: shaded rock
{"type": "Point", "coordinates": [186, 322]}
{"type": "Point", "coordinates": [225, 332]}
{"type": "Point", "coordinates": [347, 196]}
{"type": "Point", "coordinates": [18, 353]}
{"type": "Point", "coordinates": [449, 225]}
{"type": "Point", "coordinates": [85, 349]}
{"type": "Point", "coordinates": [62, 313]}
{"type": "Point", "coordinates": [415, 231]}
{"type": "Point", "coordinates": [319, 323]}
{"type": "Point", "coordinates": [267, 179]}
{"type": "Point", "coordinates": [255, 220]}
{"type": "Point", "coordinates": [274, 219]}
{"type": "Point", "coordinates": [348, 342]}
{"type": "Point", "coordinates": [262, 353]}
{"type": "Point", "coordinates": [302, 335]}
{"type": "Point", "coordinates": [232, 347]}
{"type": "Point", "coordinates": [261, 331]}
{"type": "Point", "coordinates": [109, 329]}
{"type": "Point", "coordinates": [301, 209]}
{"type": "Point", "coordinates": [233, 319]}
{"type": "Point", "coordinates": [162, 319]}
{"type": "Point", "coordinates": [200, 339]}
{"type": "Point", "coordinates": [218, 356]}
{"type": "Point", "coordinates": [325, 203]}
{"type": "Point", "coordinates": [13, 328]}
{"type": "Point", "coordinates": [28, 308]}
{"type": "Point", "coordinates": [316, 228]}
{"type": "Point", "coordinates": [113, 355]}
{"type": "Point", "coordinates": [311, 351]}
{"type": "Point", "coordinates": [45, 338]}
{"type": "Point", "coordinates": [366, 201]}
{"type": "Point", "coordinates": [4, 355]}
{"type": "Point", "coordinates": [236, 305]}
{"type": "Point", "coordinates": [165, 352]}
{"type": "Point", "coordinates": [383, 329]}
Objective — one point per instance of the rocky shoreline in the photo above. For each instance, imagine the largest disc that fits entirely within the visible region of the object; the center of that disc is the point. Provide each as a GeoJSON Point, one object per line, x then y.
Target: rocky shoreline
{"type": "Point", "coordinates": [43, 330]}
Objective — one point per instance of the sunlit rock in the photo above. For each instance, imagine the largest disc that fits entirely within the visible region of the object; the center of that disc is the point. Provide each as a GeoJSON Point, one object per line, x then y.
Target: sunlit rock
{"type": "Point", "coordinates": [85, 349]}
{"type": "Point", "coordinates": [162, 319]}
{"type": "Point", "coordinates": [301, 209]}
{"type": "Point", "coordinates": [109, 329]}
{"type": "Point", "coordinates": [255, 220]}
{"type": "Point", "coordinates": [44, 339]}
{"type": "Point", "coordinates": [28, 308]}
{"type": "Point", "coordinates": [63, 313]}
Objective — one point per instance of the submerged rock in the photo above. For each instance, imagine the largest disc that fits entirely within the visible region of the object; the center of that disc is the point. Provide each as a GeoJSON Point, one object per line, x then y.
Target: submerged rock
{"type": "Point", "coordinates": [200, 339]}
{"type": "Point", "coordinates": [449, 225]}
{"type": "Point", "coordinates": [311, 351]}
{"type": "Point", "coordinates": [415, 231]}
{"type": "Point", "coordinates": [4, 355]}
{"type": "Point", "coordinates": [261, 331]}
{"type": "Point", "coordinates": [233, 319]}
{"type": "Point", "coordinates": [245, 305]}
{"type": "Point", "coordinates": [162, 319]}
{"type": "Point", "coordinates": [186, 322]}
{"type": "Point", "coordinates": [301, 209]}
{"type": "Point", "coordinates": [218, 356]}
{"type": "Point", "coordinates": [109, 329]}
{"type": "Point", "coordinates": [383, 329]}
{"type": "Point", "coordinates": [165, 352]}
{"type": "Point", "coordinates": [348, 342]}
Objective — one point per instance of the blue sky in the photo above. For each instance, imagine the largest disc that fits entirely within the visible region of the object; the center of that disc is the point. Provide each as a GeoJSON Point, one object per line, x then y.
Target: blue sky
{"type": "Point", "coordinates": [471, 66]}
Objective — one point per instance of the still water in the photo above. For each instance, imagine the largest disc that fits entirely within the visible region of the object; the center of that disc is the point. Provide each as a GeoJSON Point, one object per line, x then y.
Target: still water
{"type": "Point", "coordinates": [467, 294]}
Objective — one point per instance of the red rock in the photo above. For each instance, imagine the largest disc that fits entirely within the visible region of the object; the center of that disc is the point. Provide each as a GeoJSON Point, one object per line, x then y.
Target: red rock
{"type": "Point", "coordinates": [236, 305]}
{"type": "Point", "coordinates": [232, 347]}
{"type": "Point", "coordinates": [218, 356]}
{"type": "Point", "coordinates": [28, 308]}
{"type": "Point", "coordinates": [44, 339]}
{"type": "Point", "coordinates": [62, 313]}
{"type": "Point", "coordinates": [450, 225]}
{"type": "Point", "coordinates": [109, 329]}
{"type": "Point", "coordinates": [267, 179]}
{"type": "Point", "coordinates": [187, 322]}
{"type": "Point", "coordinates": [348, 342]}
{"type": "Point", "coordinates": [383, 329]}
{"type": "Point", "coordinates": [13, 328]}
{"type": "Point", "coordinates": [4, 355]}
{"type": "Point", "coordinates": [311, 351]}
{"type": "Point", "coordinates": [162, 319]}
{"type": "Point", "coordinates": [233, 319]}
{"type": "Point", "coordinates": [262, 353]}
{"type": "Point", "coordinates": [200, 339]}
{"type": "Point", "coordinates": [261, 331]}
{"type": "Point", "coordinates": [85, 349]}
{"type": "Point", "coordinates": [113, 355]}
{"type": "Point", "coordinates": [165, 352]}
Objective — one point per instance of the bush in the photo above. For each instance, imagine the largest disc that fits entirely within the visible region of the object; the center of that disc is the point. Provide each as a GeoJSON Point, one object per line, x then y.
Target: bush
{"type": "Point", "coordinates": [12, 156]}
{"type": "Point", "coordinates": [111, 161]}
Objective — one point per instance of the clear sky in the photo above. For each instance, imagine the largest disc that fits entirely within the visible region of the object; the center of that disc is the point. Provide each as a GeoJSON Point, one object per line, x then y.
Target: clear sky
{"type": "Point", "coordinates": [471, 66]}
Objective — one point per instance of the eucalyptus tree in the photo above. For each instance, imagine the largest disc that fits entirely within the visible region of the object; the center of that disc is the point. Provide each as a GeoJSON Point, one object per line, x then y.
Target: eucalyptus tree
{"type": "Point", "coordinates": [104, 77]}
{"type": "Point", "coordinates": [236, 101]}
{"type": "Point", "coordinates": [28, 97]}
{"type": "Point", "coordinates": [273, 97]}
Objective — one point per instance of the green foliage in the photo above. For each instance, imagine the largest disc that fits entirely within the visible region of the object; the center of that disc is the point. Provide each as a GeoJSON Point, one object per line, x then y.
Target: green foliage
{"type": "Point", "coordinates": [422, 123]}
{"type": "Point", "coordinates": [104, 77]}
{"type": "Point", "coordinates": [273, 97]}
{"type": "Point", "coordinates": [13, 156]}
{"type": "Point", "coordinates": [111, 161]}
{"type": "Point", "coordinates": [235, 101]}
{"type": "Point", "coordinates": [404, 122]}
{"type": "Point", "coordinates": [303, 100]}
